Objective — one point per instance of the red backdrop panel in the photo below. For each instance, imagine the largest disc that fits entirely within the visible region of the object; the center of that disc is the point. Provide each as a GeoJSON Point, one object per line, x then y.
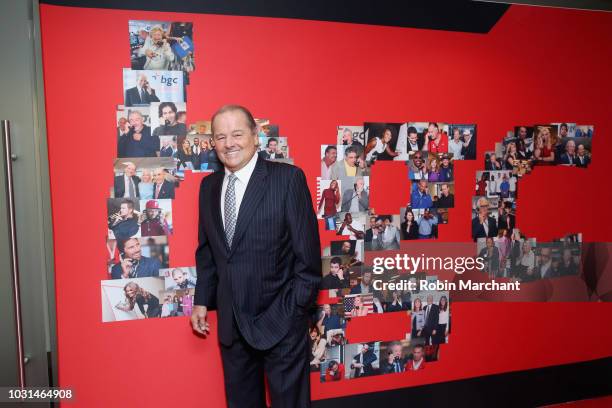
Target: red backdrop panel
{"type": "Point", "coordinates": [537, 65]}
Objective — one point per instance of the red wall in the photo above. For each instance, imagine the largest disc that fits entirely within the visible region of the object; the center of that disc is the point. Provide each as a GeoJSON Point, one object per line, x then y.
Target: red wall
{"type": "Point", "coordinates": [536, 65]}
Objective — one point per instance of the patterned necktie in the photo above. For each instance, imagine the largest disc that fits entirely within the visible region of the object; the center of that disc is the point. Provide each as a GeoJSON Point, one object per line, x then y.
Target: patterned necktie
{"type": "Point", "coordinates": [230, 209]}
{"type": "Point", "coordinates": [131, 190]}
{"type": "Point", "coordinates": [143, 96]}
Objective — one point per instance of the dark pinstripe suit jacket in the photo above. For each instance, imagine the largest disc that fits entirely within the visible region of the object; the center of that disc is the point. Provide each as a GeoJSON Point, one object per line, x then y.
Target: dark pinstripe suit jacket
{"type": "Point", "coordinates": [271, 273]}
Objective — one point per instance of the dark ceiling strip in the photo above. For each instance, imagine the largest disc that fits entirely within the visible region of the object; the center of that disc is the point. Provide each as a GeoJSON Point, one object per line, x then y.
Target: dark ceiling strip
{"type": "Point", "coordinates": [458, 15]}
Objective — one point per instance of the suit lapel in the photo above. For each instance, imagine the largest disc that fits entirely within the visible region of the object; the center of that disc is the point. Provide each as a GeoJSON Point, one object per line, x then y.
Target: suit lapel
{"type": "Point", "coordinates": [252, 196]}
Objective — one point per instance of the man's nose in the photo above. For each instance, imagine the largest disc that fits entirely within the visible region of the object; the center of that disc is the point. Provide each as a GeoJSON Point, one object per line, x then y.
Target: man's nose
{"type": "Point", "coordinates": [230, 142]}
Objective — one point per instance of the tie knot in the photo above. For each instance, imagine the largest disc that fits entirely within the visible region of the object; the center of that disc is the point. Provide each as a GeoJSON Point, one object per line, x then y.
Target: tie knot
{"type": "Point", "coordinates": [231, 177]}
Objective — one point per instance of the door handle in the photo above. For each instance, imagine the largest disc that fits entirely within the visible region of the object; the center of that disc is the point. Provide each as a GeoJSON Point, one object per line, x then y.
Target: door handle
{"type": "Point", "coordinates": [8, 174]}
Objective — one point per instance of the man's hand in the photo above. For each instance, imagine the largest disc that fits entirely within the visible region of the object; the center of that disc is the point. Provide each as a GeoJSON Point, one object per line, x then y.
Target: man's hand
{"type": "Point", "coordinates": [126, 267]}
{"type": "Point", "coordinates": [198, 320]}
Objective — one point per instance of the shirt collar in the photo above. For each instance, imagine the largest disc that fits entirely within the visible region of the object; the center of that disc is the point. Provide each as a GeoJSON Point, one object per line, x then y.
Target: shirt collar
{"type": "Point", "coordinates": [244, 174]}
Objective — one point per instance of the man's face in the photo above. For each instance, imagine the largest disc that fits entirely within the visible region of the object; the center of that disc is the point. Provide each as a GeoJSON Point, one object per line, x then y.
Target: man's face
{"type": "Point", "coordinates": [347, 136]}
{"type": "Point", "coordinates": [444, 189]}
{"type": "Point", "coordinates": [334, 268]}
{"type": "Point", "coordinates": [413, 137]}
{"type": "Point", "coordinates": [367, 278]}
{"type": "Point", "coordinates": [379, 225]}
{"type": "Point", "coordinates": [490, 242]}
{"type": "Point", "coordinates": [387, 222]}
{"type": "Point", "coordinates": [168, 115]}
{"type": "Point", "coordinates": [372, 222]}
{"type": "Point", "coordinates": [360, 183]}
{"type": "Point", "coordinates": [331, 155]}
{"type": "Point", "coordinates": [456, 134]}
{"type": "Point", "coordinates": [493, 158]}
{"type": "Point", "coordinates": [422, 186]}
{"type": "Point", "coordinates": [570, 147]}
{"type": "Point", "coordinates": [581, 150]}
{"type": "Point", "coordinates": [130, 170]}
{"type": "Point", "coordinates": [445, 162]}
{"type": "Point", "coordinates": [417, 354]}
{"type": "Point", "coordinates": [365, 348]}
{"type": "Point", "coordinates": [136, 121]}
{"type": "Point", "coordinates": [122, 122]}
{"type": "Point", "coordinates": [124, 210]}
{"type": "Point", "coordinates": [151, 213]}
{"type": "Point", "coordinates": [235, 140]}
{"type": "Point", "coordinates": [351, 158]}
{"type": "Point", "coordinates": [158, 175]}
{"type": "Point", "coordinates": [327, 309]}
{"type": "Point", "coordinates": [346, 247]}
{"type": "Point", "coordinates": [142, 80]}
{"type": "Point", "coordinates": [386, 136]}
{"type": "Point", "coordinates": [418, 160]}
{"type": "Point", "coordinates": [522, 132]}
{"type": "Point", "coordinates": [272, 146]}
{"type": "Point", "coordinates": [179, 278]}
{"type": "Point", "coordinates": [563, 131]}
{"type": "Point", "coordinates": [429, 300]}
{"type": "Point", "coordinates": [432, 129]}
{"type": "Point", "coordinates": [132, 249]}
{"type": "Point", "coordinates": [396, 350]}
{"type": "Point", "coordinates": [545, 255]}
{"type": "Point", "coordinates": [196, 141]}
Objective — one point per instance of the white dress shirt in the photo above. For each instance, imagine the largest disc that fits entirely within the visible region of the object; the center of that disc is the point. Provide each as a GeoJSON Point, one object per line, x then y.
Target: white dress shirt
{"type": "Point", "coordinates": [242, 179]}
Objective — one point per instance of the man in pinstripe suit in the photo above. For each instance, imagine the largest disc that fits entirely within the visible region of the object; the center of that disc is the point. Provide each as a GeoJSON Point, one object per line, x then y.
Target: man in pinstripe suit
{"type": "Point", "coordinates": [259, 265]}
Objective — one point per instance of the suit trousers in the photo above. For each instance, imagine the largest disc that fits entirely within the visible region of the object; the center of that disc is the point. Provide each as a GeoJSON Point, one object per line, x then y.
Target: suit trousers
{"type": "Point", "coordinates": [286, 366]}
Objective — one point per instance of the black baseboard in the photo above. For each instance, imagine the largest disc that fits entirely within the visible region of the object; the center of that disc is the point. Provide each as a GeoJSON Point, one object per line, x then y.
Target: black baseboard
{"type": "Point", "coordinates": [529, 388]}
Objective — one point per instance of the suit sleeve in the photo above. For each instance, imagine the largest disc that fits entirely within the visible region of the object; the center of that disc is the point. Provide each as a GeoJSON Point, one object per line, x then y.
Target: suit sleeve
{"type": "Point", "coordinates": [206, 284]}
{"type": "Point", "coordinates": [304, 233]}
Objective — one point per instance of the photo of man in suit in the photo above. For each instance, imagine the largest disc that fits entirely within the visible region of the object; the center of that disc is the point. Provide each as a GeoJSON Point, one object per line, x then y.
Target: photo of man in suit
{"type": "Point", "coordinates": [132, 264]}
{"type": "Point", "coordinates": [395, 361]}
{"type": "Point", "coordinates": [127, 185]}
{"type": "Point", "coordinates": [272, 151]}
{"type": "Point", "coordinates": [138, 142]}
{"type": "Point", "coordinates": [141, 94]}
{"type": "Point", "coordinates": [432, 312]}
{"type": "Point", "coordinates": [483, 225]}
{"type": "Point", "coordinates": [362, 362]}
{"type": "Point", "coordinates": [356, 198]}
{"type": "Point", "coordinates": [258, 265]}
{"type": "Point", "coordinates": [162, 187]}
{"type": "Point", "coordinates": [351, 166]}
{"type": "Point", "coordinates": [166, 150]}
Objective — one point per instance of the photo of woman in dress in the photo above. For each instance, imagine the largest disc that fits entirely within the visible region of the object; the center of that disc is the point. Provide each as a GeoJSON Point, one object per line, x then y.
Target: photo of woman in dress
{"type": "Point", "coordinates": [330, 199]}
